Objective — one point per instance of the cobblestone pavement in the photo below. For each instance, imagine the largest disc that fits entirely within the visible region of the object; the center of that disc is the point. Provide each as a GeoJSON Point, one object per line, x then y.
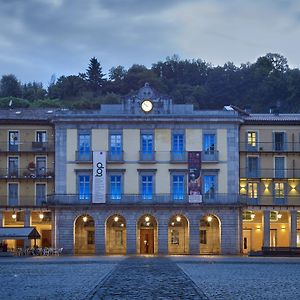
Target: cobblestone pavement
{"type": "Point", "coordinates": [147, 278]}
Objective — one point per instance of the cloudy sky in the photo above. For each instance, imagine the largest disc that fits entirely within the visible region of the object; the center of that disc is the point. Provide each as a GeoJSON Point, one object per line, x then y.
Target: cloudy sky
{"type": "Point", "coordinates": [39, 38]}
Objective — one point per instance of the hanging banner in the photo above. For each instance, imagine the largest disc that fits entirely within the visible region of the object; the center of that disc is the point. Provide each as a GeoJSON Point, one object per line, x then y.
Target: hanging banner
{"type": "Point", "coordinates": [194, 176]}
{"type": "Point", "coordinates": [99, 176]}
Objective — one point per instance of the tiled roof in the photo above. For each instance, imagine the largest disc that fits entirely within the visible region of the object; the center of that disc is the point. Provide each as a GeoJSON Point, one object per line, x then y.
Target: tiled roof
{"type": "Point", "coordinates": [27, 114]}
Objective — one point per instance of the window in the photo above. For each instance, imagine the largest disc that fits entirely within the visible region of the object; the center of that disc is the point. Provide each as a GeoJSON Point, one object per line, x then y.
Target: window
{"type": "Point", "coordinates": [84, 187]}
{"type": "Point", "coordinates": [209, 185]}
{"type": "Point", "coordinates": [13, 166]}
{"type": "Point", "coordinates": [115, 187]}
{"type": "Point", "coordinates": [279, 190]}
{"type": "Point", "coordinates": [115, 146]}
{"type": "Point", "coordinates": [174, 237]}
{"type": "Point", "coordinates": [279, 163]}
{"type": "Point", "coordinates": [13, 194]}
{"type": "Point", "coordinates": [203, 237]}
{"type": "Point", "coordinates": [252, 190]}
{"type": "Point", "coordinates": [252, 162]}
{"type": "Point", "coordinates": [178, 142]}
{"type": "Point", "coordinates": [209, 143]}
{"type": "Point", "coordinates": [147, 187]}
{"type": "Point", "coordinates": [251, 140]}
{"type": "Point", "coordinates": [13, 141]}
{"type": "Point", "coordinates": [91, 237]}
{"type": "Point", "coordinates": [41, 166]}
{"type": "Point", "coordinates": [84, 146]}
{"type": "Point", "coordinates": [147, 147]}
{"type": "Point", "coordinates": [40, 193]}
{"type": "Point", "coordinates": [178, 187]}
{"type": "Point", "coordinates": [279, 141]}
{"type": "Point", "coordinates": [41, 136]}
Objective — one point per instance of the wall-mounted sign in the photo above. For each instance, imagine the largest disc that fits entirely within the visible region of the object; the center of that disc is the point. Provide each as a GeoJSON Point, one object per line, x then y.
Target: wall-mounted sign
{"type": "Point", "coordinates": [194, 176]}
{"type": "Point", "coordinates": [99, 176]}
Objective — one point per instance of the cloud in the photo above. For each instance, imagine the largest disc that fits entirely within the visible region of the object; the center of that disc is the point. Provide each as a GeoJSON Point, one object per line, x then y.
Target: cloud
{"type": "Point", "coordinates": [42, 37]}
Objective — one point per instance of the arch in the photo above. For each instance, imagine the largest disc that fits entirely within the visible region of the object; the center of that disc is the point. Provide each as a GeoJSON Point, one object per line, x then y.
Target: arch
{"type": "Point", "coordinates": [115, 234]}
{"type": "Point", "coordinates": [147, 234]}
{"type": "Point", "coordinates": [84, 235]}
{"type": "Point", "coordinates": [210, 234]}
{"type": "Point", "coordinates": [178, 235]}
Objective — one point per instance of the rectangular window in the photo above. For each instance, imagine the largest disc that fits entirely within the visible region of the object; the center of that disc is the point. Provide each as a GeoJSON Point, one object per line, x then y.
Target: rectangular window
{"type": "Point", "coordinates": [13, 194]}
{"type": "Point", "coordinates": [13, 166]}
{"type": "Point", "coordinates": [209, 143]}
{"type": "Point", "coordinates": [147, 147]}
{"type": "Point", "coordinates": [84, 187]}
{"type": "Point", "coordinates": [251, 140]}
{"type": "Point", "coordinates": [252, 190]}
{"type": "Point", "coordinates": [279, 163]}
{"type": "Point", "coordinates": [13, 141]}
{"type": "Point", "coordinates": [91, 237]}
{"type": "Point", "coordinates": [203, 238]}
{"type": "Point", "coordinates": [209, 185]}
{"type": "Point", "coordinates": [115, 187]}
{"type": "Point", "coordinates": [279, 141]}
{"type": "Point", "coordinates": [178, 142]}
{"type": "Point", "coordinates": [178, 187]}
{"type": "Point", "coordinates": [41, 166]}
{"type": "Point", "coordinates": [41, 136]}
{"type": "Point", "coordinates": [40, 193]}
{"type": "Point", "coordinates": [174, 237]}
{"type": "Point", "coordinates": [147, 187]}
{"type": "Point", "coordinates": [279, 190]}
{"type": "Point", "coordinates": [84, 152]}
{"type": "Point", "coordinates": [115, 147]}
{"type": "Point", "coordinates": [252, 163]}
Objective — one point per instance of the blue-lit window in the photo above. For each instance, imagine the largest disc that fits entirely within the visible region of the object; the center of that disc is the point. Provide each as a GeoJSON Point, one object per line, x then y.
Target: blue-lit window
{"type": "Point", "coordinates": [178, 145]}
{"type": "Point", "coordinates": [84, 146]}
{"type": "Point", "coordinates": [209, 185]}
{"type": "Point", "coordinates": [147, 143]}
{"type": "Point", "coordinates": [147, 187]}
{"type": "Point", "coordinates": [178, 187]}
{"type": "Point", "coordinates": [209, 143]}
{"type": "Point", "coordinates": [84, 187]}
{"type": "Point", "coordinates": [116, 143]}
{"type": "Point", "coordinates": [115, 187]}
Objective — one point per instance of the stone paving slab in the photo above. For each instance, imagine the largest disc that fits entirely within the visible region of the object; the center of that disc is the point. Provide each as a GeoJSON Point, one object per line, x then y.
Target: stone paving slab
{"type": "Point", "coordinates": [147, 278]}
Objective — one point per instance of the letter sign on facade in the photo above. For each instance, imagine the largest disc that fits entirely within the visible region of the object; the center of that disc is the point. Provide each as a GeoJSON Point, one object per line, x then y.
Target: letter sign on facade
{"type": "Point", "coordinates": [99, 176]}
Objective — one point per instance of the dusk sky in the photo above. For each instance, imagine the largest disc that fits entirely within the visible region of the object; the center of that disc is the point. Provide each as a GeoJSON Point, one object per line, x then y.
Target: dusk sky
{"type": "Point", "coordinates": [39, 38]}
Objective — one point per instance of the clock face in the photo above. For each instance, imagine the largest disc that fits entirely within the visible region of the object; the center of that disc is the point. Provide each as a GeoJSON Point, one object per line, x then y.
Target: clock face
{"type": "Point", "coordinates": [146, 105]}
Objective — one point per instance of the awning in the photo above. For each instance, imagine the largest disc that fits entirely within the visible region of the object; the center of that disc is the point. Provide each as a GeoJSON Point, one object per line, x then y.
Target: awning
{"type": "Point", "coordinates": [19, 233]}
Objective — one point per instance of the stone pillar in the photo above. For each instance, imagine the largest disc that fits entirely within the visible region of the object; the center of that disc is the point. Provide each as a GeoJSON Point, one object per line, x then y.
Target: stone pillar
{"type": "Point", "coordinates": [53, 229]}
{"type": "Point", "coordinates": [293, 228]}
{"type": "Point", "coordinates": [100, 236]}
{"type": "Point", "coordinates": [194, 237]}
{"type": "Point", "coordinates": [163, 236]}
{"type": "Point", "coordinates": [27, 224]}
{"type": "Point", "coordinates": [266, 219]}
{"type": "Point", "coordinates": [131, 232]}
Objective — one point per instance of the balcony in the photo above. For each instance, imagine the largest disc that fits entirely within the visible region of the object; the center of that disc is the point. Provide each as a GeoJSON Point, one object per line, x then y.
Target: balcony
{"type": "Point", "coordinates": [23, 200]}
{"type": "Point", "coordinates": [138, 199]}
{"type": "Point", "coordinates": [270, 147]}
{"type": "Point", "coordinates": [13, 173]}
{"type": "Point", "coordinates": [210, 156]}
{"type": "Point", "coordinates": [270, 173]}
{"type": "Point", "coordinates": [84, 156]}
{"type": "Point", "coordinates": [178, 156]}
{"type": "Point", "coordinates": [147, 157]}
{"type": "Point", "coordinates": [115, 156]}
{"type": "Point", "coordinates": [270, 200]}
{"type": "Point", "coordinates": [39, 147]}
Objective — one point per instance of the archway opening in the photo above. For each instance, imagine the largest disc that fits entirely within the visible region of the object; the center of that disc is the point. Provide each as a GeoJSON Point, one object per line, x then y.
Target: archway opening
{"type": "Point", "coordinates": [116, 235]}
{"type": "Point", "coordinates": [178, 235]}
{"type": "Point", "coordinates": [210, 235]}
{"type": "Point", "coordinates": [84, 235]}
{"type": "Point", "coordinates": [147, 235]}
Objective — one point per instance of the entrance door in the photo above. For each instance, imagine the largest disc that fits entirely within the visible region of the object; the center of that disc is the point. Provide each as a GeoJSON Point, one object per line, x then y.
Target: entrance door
{"type": "Point", "coordinates": [146, 241]}
{"type": "Point", "coordinates": [46, 238]}
{"type": "Point", "coordinates": [298, 237]}
{"type": "Point", "coordinates": [273, 238]}
{"type": "Point", "coordinates": [246, 241]}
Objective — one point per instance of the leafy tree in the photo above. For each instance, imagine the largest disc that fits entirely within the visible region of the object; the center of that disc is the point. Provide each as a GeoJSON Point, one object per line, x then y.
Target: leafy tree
{"type": "Point", "coordinates": [33, 91]}
{"type": "Point", "coordinates": [10, 86]}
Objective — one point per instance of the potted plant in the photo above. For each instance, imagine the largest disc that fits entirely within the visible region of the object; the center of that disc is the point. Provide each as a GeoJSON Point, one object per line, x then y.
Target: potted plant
{"type": "Point", "coordinates": [31, 166]}
{"type": "Point", "coordinates": [26, 174]}
{"type": "Point", "coordinates": [49, 174]}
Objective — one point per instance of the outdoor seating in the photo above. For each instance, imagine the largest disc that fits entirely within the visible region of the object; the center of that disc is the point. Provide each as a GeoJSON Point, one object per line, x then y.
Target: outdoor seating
{"type": "Point", "coordinates": [36, 251]}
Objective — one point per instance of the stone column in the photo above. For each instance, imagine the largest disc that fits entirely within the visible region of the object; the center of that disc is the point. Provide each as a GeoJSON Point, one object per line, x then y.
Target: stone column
{"type": "Point", "coordinates": [131, 236]}
{"type": "Point", "coordinates": [194, 237]}
{"type": "Point", "coordinates": [163, 236]}
{"type": "Point", "coordinates": [100, 236]}
{"type": "Point", "coordinates": [293, 228]}
{"type": "Point", "coordinates": [53, 229]}
{"type": "Point", "coordinates": [266, 219]}
{"type": "Point", "coordinates": [27, 224]}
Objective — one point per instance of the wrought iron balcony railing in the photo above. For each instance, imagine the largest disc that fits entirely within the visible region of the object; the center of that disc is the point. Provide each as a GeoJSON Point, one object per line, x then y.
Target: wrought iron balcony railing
{"type": "Point", "coordinates": [270, 173]}
{"type": "Point", "coordinates": [270, 147]}
{"type": "Point", "coordinates": [15, 173]}
{"type": "Point", "coordinates": [284, 199]}
{"type": "Point", "coordinates": [21, 146]}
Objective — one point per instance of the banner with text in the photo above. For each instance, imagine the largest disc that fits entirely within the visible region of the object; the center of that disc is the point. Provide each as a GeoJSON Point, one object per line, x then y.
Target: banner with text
{"type": "Point", "coordinates": [99, 176]}
{"type": "Point", "coordinates": [194, 176]}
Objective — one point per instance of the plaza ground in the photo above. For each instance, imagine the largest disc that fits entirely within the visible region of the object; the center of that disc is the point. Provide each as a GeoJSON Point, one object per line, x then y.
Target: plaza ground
{"type": "Point", "coordinates": [147, 277]}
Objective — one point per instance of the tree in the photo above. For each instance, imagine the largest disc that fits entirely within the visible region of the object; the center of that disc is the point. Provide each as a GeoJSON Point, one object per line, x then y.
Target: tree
{"type": "Point", "coordinates": [33, 91]}
{"type": "Point", "coordinates": [10, 86]}
{"type": "Point", "coordinates": [95, 77]}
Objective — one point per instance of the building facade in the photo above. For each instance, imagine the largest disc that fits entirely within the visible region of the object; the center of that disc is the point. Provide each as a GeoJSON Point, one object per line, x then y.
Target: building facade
{"type": "Point", "coordinates": [122, 179]}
